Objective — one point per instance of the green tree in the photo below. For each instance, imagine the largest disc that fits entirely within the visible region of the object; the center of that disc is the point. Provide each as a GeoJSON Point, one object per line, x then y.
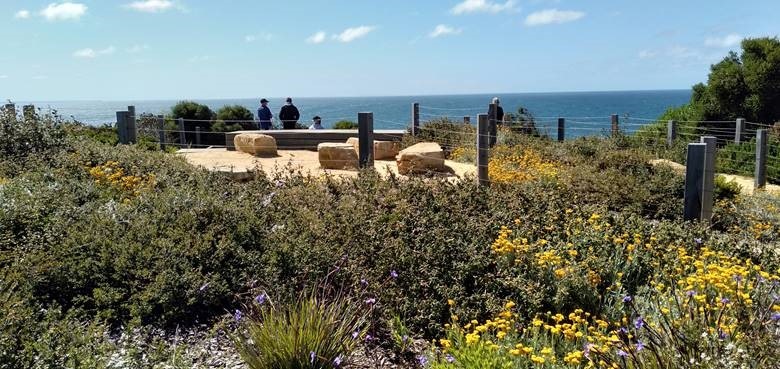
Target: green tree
{"type": "Point", "coordinates": [195, 115]}
{"type": "Point", "coordinates": [233, 118]}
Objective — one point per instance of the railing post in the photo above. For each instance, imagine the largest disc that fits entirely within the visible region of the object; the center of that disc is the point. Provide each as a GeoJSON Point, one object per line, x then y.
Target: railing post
{"type": "Point", "coordinates": [738, 130]}
{"type": "Point", "coordinates": [762, 146]}
{"type": "Point", "coordinates": [483, 149]}
{"type": "Point", "coordinates": [182, 136]}
{"type": "Point", "coordinates": [671, 133]}
{"type": "Point", "coordinates": [197, 136]}
{"type": "Point", "coordinates": [161, 132]}
{"type": "Point", "coordinates": [561, 129]}
{"type": "Point", "coordinates": [415, 119]}
{"type": "Point", "coordinates": [694, 180]}
{"type": "Point", "coordinates": [466, 120]}
{"type": "Point", "coordinates": [121, 126]}
{"type": "Point", "coordinates": [708, 187]}
{"type": "Point", "coordinates": [615, 125]}
{"type": "Point", "coordinates": [492, 124]}
{"type": "Point", "coordinates": [366, 140]}
{"type": "Point", "coordinates": [132, 131]}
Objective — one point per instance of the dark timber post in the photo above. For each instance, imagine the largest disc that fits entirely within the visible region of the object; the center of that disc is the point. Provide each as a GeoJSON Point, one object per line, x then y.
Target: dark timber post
{"type": "Point", "coordinates": [161, 131]}
{"type": "Point", "coordinates": [132, 132]}
{"type": "Point", "coordinates": [738, 130]}
{"type": "Point", "coordinates": [121, 126]}
{"type": "Point", "coordinates": [671, 133]}
{"type": "Point", "coordinates": [708, 186]}
{"type": "Point", "coordinates": [483, 149]}
{"type": "Point", "coordinates": [415, 119]}
{"type": "Point", "coordinates": [615, 125]}
{"type": "Point", "coordinates": [182, 136]}
{"type": "Point", "coordinates": [197, 136]}
{"type": "Point", "coordinates": [561, 129]}
{"type": "Point", "coordinates": [467, 120]}
{"type": "Point", "coordinates": [492, 124]}
{"type": "Point", "coordinates": [762, 140]}
{"type": "Point", "coordinates": [694, 179]}
{"type": "Point", "coordinates": [366, 140]}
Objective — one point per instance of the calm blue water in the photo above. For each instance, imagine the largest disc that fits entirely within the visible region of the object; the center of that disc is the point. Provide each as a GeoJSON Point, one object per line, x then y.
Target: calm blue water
{"type": "Point", "coordinates": [587, 111]}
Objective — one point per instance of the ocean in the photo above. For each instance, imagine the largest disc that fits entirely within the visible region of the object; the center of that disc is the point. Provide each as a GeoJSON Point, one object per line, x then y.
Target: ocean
{"type": "Point", "coordinates": [589, 108]}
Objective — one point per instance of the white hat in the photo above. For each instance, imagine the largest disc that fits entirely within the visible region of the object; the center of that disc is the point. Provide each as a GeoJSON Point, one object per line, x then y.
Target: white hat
{"type": "Point", "coordinates": [495, 100]}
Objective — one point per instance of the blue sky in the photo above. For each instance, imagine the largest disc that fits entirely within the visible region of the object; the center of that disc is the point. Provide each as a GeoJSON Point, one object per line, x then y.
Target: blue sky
{"type": "Point", "coordinates": [172, 49]}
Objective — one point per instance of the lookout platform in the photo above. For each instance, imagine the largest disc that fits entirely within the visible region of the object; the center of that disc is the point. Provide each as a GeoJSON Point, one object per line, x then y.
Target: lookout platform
{"type": "Point", "coordinates": [306, 139]}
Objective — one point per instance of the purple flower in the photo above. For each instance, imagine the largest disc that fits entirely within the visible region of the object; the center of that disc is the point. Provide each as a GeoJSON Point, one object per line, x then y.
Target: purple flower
{"type": "Point", "coordinates": [364, 282]}
{"type": "Point", "coordinates": [260, 299]}
{"type": "Point", "coordinates": [690, 293]}
{"type": "Point", "coordinates": [622, 353]}
{"type": "Point", "coordinates": [623, 330]}
{"type": "Point", "coordinates": [627, 299]}
{"type": "Point", "coordinates": [422, 360]}
{"type": "Point", "coordinates": [737, 278]}
{"type": "Point", "coordinates": [237, 315]}
{"type": "Point", "coordinates": [355, 335]}
{"type": "Point", "coordinates": [369, 338]}
{"type": "Point", "coordinates": [698, 241]}
{"type": "Point", "coordinates": [337, 361]}
{"type": "Point", "coordinates": [776, 317]}
{"type": "Point", "coordinates": [639, 323]}
{"type": "Point", "coordinates": [640, 346]}
{"type": "Point", "coordinates": [724, 301]}
{"type": "Point", "coordinates": [371, 301]}
{"type": "Point", "coordinates": [204, 286]}
{"type": "Point", "coordinates": [312, 357]}
{"type": "Point", "coordinates": [450, 359]}
{"type": "Point", "coordinates": [393, 274]}
{"type": "Point", "coordinates": [404, 338]}
{"type": "Point", "coordinates": [722, 335]}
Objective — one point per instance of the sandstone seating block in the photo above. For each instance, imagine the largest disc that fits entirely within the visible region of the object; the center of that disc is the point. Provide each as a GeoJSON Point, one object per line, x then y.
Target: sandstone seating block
{"type": "Point", "coordinates": [255, 144]}
{"type": "Point", "coordinates": [337, 156]}
{"type": "Point", "coordinates": [383, 150]}
{"type": "Point", "coordinates": [421, 158]}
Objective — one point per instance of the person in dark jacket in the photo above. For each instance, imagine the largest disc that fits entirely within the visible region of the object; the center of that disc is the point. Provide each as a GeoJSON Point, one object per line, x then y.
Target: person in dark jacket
{"type": "Point", "coordinates": [289, 115]}
{"type": "Point", "coordinates": [264, 115]}
{"type": "Point", "coordinates": [499, 116]}
{"type": "Point", "coordinates": [499, 111]}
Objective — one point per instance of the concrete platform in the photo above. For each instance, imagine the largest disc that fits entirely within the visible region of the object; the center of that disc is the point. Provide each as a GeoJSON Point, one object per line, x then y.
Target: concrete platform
{"type": "Point", "coordinates": [241, 165]}
{"type": "Point", "coordinates": [305, 139]}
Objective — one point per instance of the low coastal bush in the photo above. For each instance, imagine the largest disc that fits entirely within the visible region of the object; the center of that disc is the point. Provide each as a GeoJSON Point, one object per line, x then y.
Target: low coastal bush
{"type": "Point", "coordinates": [345, 124]}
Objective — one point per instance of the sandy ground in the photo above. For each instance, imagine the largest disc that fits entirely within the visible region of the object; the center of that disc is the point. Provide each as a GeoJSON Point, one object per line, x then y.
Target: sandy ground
{"type": "Point", "coordinates": [745, 182]}
{"type": "Point", "coordinates": [240, 165]}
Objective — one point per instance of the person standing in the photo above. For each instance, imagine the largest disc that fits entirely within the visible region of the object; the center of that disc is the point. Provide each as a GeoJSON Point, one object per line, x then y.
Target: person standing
{"type": "Point", "coordinates": [499, 111]}
{"type": "Point", "coordinates": [499, 118]}
{"type": "Point", "coordinates": [264, 115]}
{"type": "Point", "coordinates": [289, 115]}
{"type": "Point", "coordinates": [317, 123]}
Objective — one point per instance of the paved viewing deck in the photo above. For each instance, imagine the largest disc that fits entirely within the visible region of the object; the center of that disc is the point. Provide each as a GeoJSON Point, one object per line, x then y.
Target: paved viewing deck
{"type": "Point", "coordinates": [305, 139]}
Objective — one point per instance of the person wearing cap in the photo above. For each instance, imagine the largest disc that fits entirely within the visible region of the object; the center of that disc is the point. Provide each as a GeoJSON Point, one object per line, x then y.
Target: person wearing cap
{"type": "Point", "coordinates": [499, 111]}
{"type": "Point", "coordinates": [264, 115]}
{"type": "Point", "coordinates": [289, 115]}
{"type": "Point", "coordinates": [317, 123]}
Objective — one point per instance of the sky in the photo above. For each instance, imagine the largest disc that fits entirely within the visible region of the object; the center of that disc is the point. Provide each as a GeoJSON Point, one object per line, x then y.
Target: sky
{"type": "Point", "coordinates": [175, 49]}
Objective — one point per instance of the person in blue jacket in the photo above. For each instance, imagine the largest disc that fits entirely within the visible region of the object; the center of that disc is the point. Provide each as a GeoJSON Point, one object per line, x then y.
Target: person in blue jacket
{"type": "Point", "coordinates": [264, 115]}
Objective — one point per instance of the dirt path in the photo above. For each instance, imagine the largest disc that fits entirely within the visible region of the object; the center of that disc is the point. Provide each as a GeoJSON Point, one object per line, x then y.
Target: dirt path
{"type": "Point", "coordinates": [745, 182]}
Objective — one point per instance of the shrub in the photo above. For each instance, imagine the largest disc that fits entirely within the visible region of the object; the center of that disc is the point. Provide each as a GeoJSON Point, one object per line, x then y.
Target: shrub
{"type": "Point", "coordinates": [310, 333]}
{"type": "Point", "coordinates": [195, 115]}
{"type": "Point", "coordinates": [233, 118]}
{"type": "Point", "coordinates": [345, 124]}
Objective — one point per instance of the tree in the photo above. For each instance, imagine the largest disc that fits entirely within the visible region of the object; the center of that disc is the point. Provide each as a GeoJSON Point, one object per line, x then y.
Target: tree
{"type": "Point", "coordinates": [195, 115]}
{"type": "Point", "coordinates": [233, 118]}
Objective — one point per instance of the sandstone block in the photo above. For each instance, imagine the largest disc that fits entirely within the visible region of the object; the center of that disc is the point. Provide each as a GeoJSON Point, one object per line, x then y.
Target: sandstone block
{"type": "Point", "coordinates": [421, 158]}
{"type": "Point", "coordinates": [337, 156]}
{"type": "Point", "coordinates": [255, 144]}
{"type": "Point", "coordinates": [383, 150]}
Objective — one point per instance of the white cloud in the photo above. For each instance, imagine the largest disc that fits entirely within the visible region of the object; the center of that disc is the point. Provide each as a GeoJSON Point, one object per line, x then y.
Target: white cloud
{"type": "Point", "coordinates": [552, 16]}
{"type": "Point", "coordinates": [150, 6]}
{"type": "Point", "coordinates": [730, 40]}
{"type": "Point", "coordinates": [89, 53]}
{"type": "Point", "coordinates": [22, 14]}
{"type": "Point", "coordinates": [135, 49]}
{"type": "Point", "coordinates": [482, 6]}
{"type": "Point", "coordinates": [317, 38]}
{"type": "Point", "coordinates": [64, 11]}
{"type": "Point", "coordinates": [352, 34]}
{"type": "Point", "coordinates": [444, 30]}
{"type": "Point", "coordinates": [262, 36]}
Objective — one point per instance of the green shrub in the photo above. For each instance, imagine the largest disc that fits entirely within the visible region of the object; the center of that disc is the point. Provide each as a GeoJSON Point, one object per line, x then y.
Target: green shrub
{"type": "Point", "coordinates": [195, 115]}
{"type": "Point", "coordinates": [345, 124]}
{"type": "Point", "coordinates": [310, 333]}
{"type": "Point", "coordinates": [741, 159]}
{"type": "Point", "coordinates": [233, 118]}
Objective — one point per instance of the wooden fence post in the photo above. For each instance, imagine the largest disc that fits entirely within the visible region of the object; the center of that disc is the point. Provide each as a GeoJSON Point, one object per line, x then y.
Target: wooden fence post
{"type": "Point", "coordinates": [561, 129]}
{"type": "Point", "coordinates": [615, 125]}
{"type": "Point", "coordinates": [182, 136]}
{"type": "Point", "coordinates": [493, 124]}
{"type": "Point", "coordinates": [708, 186]}
{"type": "Point", "coordinates": [121, 126]}
{"type": "Point", "coordinates": [466, 120]}
{"type": "Point", "coordinates": [197, 136]}
{"type": "Point", "coordinates": [483, 149]}
{"type": "Point", "coordinates": [366, 140]}
{"type": "Point", "coordinates": [762, 146]}
{"type": "Point", "coordinates": [132, 130]}
{"type": "Point", "coordinates": [671, 133]}
{"type": "Point", "coordinates": [161, 132]}
{"type": "Point", "coordinates": [738, 130]}
{"type": "Point", "coordinates": [694, 179]}
{"type": "Point", "coordinates": [415, 119]}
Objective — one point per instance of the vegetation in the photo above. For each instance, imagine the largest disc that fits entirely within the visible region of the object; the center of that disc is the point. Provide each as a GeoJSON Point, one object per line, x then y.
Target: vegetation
{"type": "Point", "coordinates": [345, 124]}
{"type": "Point", "coordinates": [233, 118]}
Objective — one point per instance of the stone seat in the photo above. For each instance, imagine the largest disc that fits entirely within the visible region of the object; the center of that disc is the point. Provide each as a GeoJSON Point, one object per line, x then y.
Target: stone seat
{"type": "Point", "coordinates": [256, 144]}
{"type": "Point", "coordinates": [421, 158]}
{"type": "Point", "coordinates": [337, 156]}
{"type": "Point", "coordinates": [383, 150]}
